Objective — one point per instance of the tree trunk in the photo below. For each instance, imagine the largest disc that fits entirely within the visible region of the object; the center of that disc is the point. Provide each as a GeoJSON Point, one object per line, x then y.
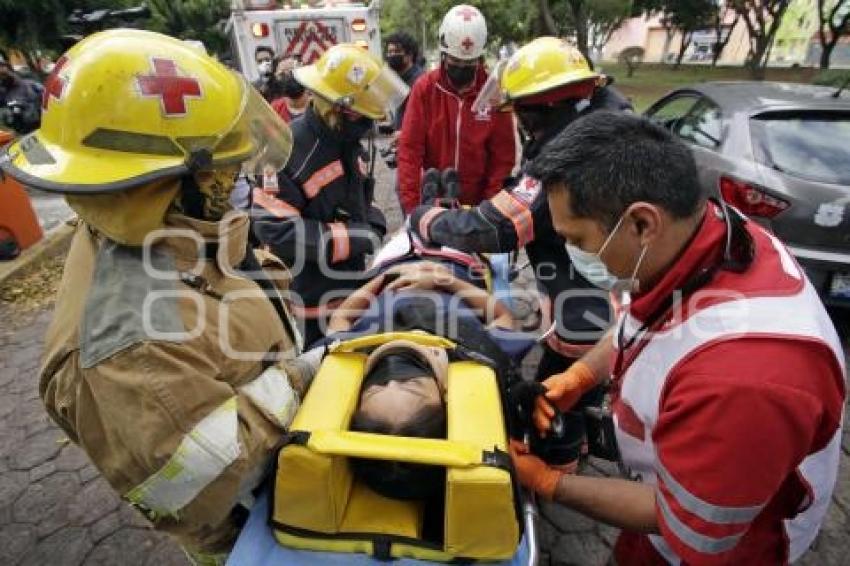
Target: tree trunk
{"type": "Point", "coordinates": [686, 42]}
{"type": "Point", "coordinates": [580, 19]}
{"type": "Point", "coordinates": [546, 18]}
{"type": "Point", "coordinates": [721, 43]}
{"type": "Point", "coordinates": [826, 53]}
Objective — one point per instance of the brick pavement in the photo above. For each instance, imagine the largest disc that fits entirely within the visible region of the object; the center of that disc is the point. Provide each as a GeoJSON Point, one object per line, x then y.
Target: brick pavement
{"type": "Point", "coordinates": [55, 509]}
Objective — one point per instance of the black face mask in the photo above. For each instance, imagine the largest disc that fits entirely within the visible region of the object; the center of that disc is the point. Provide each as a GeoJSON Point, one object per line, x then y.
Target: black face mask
{"type": "Point", "coordinates": [396, 62]}
{"type": "Point", "coordinates": [398, 366]}
{"type": "Point", "coordinates": [354, 130]}
{"type": "Point", "coordinates": [291, 87]}
{"type": "Point", "coordinates": [542, 122]}
{"type": "Point", "coordinates": [461, 77]}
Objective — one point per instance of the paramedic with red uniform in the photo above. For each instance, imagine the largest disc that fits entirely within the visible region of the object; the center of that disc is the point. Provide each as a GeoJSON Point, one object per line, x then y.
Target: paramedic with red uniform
{"type": "Point", "coordinates": [440, 130]}
{"type": "Point", "coordinates": [728, 379]}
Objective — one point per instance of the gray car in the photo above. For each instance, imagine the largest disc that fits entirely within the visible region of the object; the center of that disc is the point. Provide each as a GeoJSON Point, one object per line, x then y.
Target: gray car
{"type": "Point", "coordinates": [781, 154]}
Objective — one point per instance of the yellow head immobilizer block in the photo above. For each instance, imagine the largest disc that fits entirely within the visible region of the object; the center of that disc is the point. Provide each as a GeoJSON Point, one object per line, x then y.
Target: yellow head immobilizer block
{"type": "Point", "coordinates": [318, 505]}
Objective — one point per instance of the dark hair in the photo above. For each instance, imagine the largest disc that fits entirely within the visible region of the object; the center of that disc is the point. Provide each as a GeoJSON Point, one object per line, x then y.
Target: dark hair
{"type": "Point", "coordinates": [609, 160]}
{"type": "Point", "coordinates": [400, 480]}
{"type": "Point", "coordinates": [262, 48]}
{"type": "Point", "coordinates": [406, 42]}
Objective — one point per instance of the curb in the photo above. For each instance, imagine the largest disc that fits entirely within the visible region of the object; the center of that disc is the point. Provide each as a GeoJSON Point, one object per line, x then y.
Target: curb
{"type": "Point", "coordinates": [51, 242]}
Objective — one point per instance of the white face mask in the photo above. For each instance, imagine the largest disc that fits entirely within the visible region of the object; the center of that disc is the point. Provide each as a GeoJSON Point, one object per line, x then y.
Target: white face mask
{"type": "Point", "coordinates": [265, 68]}
{"type": "Point", "coordinates": [592, 268]}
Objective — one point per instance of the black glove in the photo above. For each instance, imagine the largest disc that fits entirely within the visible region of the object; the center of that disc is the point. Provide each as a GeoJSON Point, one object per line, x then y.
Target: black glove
{"type": "Point", "coordinates": [440, 188]}
{"type": "Point", "coordinates": [431, 188]}
{"type": "Point", "coordinates": [451, 187]}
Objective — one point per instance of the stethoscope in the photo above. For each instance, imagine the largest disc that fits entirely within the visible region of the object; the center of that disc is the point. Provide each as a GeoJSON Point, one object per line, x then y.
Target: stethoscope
{"type": "Point", "coordinates": [738, 255]}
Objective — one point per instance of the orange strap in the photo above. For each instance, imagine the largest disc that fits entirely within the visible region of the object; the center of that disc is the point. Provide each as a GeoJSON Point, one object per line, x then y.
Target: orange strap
{"type": "Point", "coordinates": [322, 178]}
{"type": "Point", "coordinates": [519, 215]}
{"type": "Point", "coordinates": [279, 208]}
{"type": "Point", "coordinates": [341, 244]}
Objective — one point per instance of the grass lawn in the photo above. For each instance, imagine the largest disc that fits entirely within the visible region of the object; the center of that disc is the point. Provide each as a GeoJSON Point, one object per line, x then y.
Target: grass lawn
{"type": "Point", "coordinates": [651, 81]}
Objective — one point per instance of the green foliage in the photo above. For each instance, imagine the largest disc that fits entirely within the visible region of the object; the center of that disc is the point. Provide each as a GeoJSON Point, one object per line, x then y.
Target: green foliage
{"type": "Point", "coordinates": [32, 25]}
{"type": "Point", "coordinates": [832, 77]}
{"type": "Point", "coordinates": [200, 20]}
{"type": "Point", "coordinates": [38, 26]}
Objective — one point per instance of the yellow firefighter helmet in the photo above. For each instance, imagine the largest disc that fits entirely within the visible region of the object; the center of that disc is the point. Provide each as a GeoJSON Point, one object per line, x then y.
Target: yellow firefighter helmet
{"type": "Point", "coordinates": [351, 77]}
{"type": "Point", "coordinates": [126, 107]}
{"type": "Point", "coordinates": [542, 65]}
{"type": "Point", "coordinates": [542, 71]}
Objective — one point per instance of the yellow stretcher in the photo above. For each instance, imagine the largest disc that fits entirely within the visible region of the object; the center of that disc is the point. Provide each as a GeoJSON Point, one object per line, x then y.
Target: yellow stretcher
{"type": "Point", "coordinates": [318, 505]}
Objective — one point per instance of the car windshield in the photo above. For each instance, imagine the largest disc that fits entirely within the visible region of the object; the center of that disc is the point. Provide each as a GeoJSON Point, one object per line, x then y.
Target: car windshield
{"type": "Point", "coordinates": [812, 145]}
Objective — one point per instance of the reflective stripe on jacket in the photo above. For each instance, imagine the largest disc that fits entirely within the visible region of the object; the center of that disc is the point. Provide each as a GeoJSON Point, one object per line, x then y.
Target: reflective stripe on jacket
{"type": "Point", "coordinates": [168, 368]}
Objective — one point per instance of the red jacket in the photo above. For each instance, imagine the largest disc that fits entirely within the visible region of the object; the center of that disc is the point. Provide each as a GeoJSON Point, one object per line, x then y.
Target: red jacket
{"type": "Point", "coordinates": [440, 130]}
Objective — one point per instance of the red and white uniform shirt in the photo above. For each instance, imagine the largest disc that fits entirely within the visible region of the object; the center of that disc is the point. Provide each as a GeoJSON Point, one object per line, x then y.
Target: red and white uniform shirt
{"type": "Point", "coordinates": [732, 409]}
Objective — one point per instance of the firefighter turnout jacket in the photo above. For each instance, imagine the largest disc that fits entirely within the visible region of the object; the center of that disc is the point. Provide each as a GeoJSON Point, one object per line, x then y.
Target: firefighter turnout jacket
{"type": "Point", "coordinates": [319, 217]}
{"type": "Point", "coordinates": [518, 216]}
{"type": "Point", "coordinates": [161, 364]}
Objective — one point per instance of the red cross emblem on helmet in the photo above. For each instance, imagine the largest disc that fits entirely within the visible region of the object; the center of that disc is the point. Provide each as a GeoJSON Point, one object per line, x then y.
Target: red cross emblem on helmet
{"type": "Point", "coordinates": [467, 13]}
{"type": "Point", "coordinates": [171, 88]}
{"type": "Point", "coordinates": [467, 43]}
{"type": "Point", "coordinates": [54, 85]}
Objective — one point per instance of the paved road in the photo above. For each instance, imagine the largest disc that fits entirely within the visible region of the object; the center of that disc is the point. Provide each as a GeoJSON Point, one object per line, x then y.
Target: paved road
{"type": "Point", "coordinates": [50, 208]}
{"type": "Point", "coordinates": [55, 509]}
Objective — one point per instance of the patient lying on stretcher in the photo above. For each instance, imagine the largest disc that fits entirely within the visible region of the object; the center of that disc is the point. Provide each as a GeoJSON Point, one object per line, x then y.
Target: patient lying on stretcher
{"type": "Point", "coordinates": [403, 392]}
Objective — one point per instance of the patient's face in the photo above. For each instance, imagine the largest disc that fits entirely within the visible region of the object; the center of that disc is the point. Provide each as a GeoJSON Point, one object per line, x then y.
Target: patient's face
{"type": "Point", "coordinates": [399, 400]}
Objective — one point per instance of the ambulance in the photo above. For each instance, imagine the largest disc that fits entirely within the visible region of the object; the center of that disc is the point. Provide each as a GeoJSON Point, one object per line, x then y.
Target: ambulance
{"type": "Point", "coordinates": [304, 29]}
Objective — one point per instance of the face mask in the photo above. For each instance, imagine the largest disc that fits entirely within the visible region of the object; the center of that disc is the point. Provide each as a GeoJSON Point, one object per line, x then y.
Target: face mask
{"type": "Point", "coordinates": [354, 130]}
{"type": "Point", "coordinates": [461, 77]}
{"type": "Point", "coordinates": [206, 194]}
{"type": "Point", "coordinates": [291, 88]}
{"type": "Point", "coordinates": [396, 62]}
{"type": "Point", "coordinates": [592, 268]}
{"type": "Point", "coordinates": [545, 121]}
{"type": "Point", "coordinates": [265, 68]}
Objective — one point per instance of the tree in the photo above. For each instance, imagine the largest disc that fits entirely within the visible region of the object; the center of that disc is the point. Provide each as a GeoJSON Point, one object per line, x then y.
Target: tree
{"type": "Point", "coordinates": [631, 57]}
{"type": "Point", "coordinates": [604, 18]}
{"type": "Point", "coordinates": [591, 21]}
{"type": "Point", "coordinates": [721, 14]}
{"type": "Point", "coordinates": [762, 18]}
{"type": "Point", "coordinates": [200, 20]}
{"type": "Point", "coordinates": [31, 27]}
{"type": "Point", "coordinates": [686, 16]}
{"type": "Point", "coordinates": [37, 27]}
{"type": "Point", "coordinates": [833, 22]}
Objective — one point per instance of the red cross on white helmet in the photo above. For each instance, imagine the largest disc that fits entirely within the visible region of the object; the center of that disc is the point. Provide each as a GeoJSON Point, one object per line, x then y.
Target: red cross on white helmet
{"type": "Point", "coordinates": [463, 32]}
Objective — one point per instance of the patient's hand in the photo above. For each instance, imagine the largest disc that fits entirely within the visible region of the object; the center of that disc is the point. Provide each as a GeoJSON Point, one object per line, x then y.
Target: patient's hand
{"type": "Point", "coordinates": [424, 275]}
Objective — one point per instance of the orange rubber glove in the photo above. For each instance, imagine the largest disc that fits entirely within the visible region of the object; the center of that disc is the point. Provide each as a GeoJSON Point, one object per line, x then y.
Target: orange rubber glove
{"type": "Point", "coordinates": [534, 473]}
{"type": "Point", "coordinates": [562, 390]}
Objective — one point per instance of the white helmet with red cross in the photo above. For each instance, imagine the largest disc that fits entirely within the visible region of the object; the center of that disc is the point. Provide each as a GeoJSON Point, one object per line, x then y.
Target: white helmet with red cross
{"type": "Point", "coordinates": [463, 32]}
